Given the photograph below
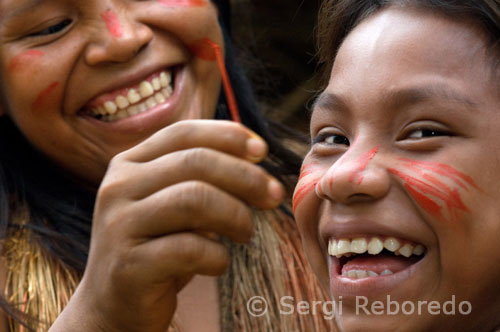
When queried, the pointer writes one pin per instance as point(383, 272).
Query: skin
point(159, 211)
point(393, 50)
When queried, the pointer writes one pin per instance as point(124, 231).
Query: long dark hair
point(60, 209)
point(337, 18)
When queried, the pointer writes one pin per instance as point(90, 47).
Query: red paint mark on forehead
point(363, 162)
point(208, 50)
point(44, 97)
point(21, 59)
point(183, 3)
point(112, 23)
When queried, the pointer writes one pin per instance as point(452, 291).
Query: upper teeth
point(148, 95)
point(347, 247)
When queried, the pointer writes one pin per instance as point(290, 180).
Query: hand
point(157, 210)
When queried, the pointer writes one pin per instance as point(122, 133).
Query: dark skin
point(170, 183)
point(418, 87)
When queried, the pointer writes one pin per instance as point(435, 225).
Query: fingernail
point(275, 190)
point(256, 149)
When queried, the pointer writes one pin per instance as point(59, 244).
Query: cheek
point(43, 91)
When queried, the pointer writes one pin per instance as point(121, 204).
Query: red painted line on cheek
point(44, 97)
point(363, 162)
point(419, 190)
point(183, 3)
point(210, 51)
point(301, 192)
point(112, 23)
point(443, 170)
point(425, 202)
point(21, 59)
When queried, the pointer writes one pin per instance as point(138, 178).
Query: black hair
point(337, 18)
point(60, 209)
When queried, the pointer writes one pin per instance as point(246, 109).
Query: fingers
point(224, 136)
point(189, 206)
point(244, 180)
point(179, 255)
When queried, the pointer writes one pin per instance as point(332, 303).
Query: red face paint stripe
point(425, 202)
point(442, 169)
point(18, 60)
point(44, 96)
point(112, 23)
point(363, 162)
point(301, 193)
point(308, 171)
point(183, 3)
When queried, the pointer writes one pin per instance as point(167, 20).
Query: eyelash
point(53, 29)
point(321, 139)
point(342, 140)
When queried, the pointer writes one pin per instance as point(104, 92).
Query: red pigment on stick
point(208, 50)
point(363, 162)
point(44, 96)
point(19, 59)
point(112, 23)
point(183, 3)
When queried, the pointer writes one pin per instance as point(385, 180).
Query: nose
point(119, 38)
point(359, 176)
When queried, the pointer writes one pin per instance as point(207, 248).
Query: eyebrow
point(29, 5)
point(400, 98)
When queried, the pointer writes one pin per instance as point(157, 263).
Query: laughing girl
point(120, 201)
point(398, 201)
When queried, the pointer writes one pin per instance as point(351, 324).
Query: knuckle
point(196, 159)
point(193, 197)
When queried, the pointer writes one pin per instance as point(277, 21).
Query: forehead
point(407, 42)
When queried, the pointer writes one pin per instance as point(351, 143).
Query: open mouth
point(123, 103)
point(372, 257)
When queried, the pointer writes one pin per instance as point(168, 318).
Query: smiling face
point(399, 193)
point(87, 79)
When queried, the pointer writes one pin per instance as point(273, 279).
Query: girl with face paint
point(398, 201)
point(122, 201)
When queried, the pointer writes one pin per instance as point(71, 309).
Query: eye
point(53, 29)
point(331, 139)
point(426, 133)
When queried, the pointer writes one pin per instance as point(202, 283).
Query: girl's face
point(87, 79)
point(398, 201)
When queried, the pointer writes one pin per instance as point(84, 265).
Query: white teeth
point(156, 84)
point(419, 250)
point(121, 115)
point(167, 91)
point(359, 274)
point(406, 250)
point(133, 110)
point(347, 248)
point(133, 96)
point(160, 98)
point(146, 89)
point(359, 246)
point(122, 102)
point(375, 246)
point(343, 247)
point(386, 272)
point(391, 244)
point(110, 107)
point(151, 102)
point(142, 107)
